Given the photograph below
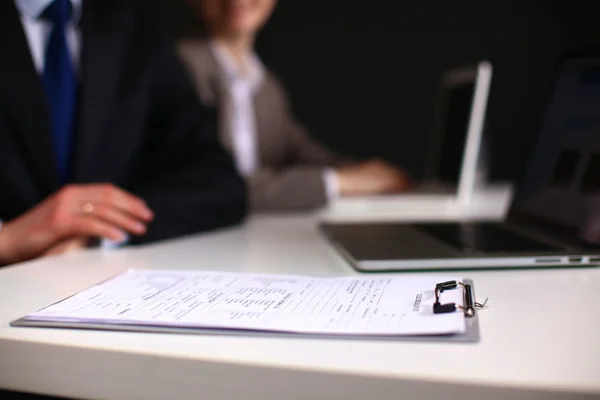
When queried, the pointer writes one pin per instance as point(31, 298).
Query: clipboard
point(471, 334)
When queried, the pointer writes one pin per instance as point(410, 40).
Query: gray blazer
point(291, 163)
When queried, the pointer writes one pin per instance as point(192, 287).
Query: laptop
point(554, 217)
point(456, 164)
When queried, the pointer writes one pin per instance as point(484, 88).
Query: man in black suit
point(101, 133)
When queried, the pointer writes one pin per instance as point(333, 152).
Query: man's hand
point(68, 246)
point(98, 210)
point(370, 178)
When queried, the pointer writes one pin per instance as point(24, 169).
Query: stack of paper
point(375, 305)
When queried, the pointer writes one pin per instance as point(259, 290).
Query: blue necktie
point(60, 84)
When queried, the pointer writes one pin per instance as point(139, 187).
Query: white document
point(352, 305)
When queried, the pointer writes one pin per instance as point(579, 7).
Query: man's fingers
point(66, 246)
point(101, 210)
point(118, 218)
point(111, 195)
point(95, 227)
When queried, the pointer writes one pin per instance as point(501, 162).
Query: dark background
point(362, 74)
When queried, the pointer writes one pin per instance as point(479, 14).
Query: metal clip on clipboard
point(469, 301)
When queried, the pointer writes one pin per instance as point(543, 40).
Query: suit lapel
point(267, 144)
point(24, 96)
point(273, 124)
point(213, 87)
point(104, 33)
point(226, 114)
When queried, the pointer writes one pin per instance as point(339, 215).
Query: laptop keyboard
point(482, 237)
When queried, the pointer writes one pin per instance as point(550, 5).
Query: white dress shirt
point(38, 32)
point(242, 84)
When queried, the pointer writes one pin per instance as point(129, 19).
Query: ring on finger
point(88, 208)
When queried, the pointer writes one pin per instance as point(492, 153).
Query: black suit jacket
point(140, 124)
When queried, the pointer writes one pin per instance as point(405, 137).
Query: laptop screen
point(561, 185)
point(457, 112)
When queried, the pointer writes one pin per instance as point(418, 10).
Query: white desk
point(540, 336)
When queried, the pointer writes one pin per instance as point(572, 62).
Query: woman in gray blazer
point(284, 167)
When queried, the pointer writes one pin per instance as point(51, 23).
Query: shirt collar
point(34, 8)
point(231, 68)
